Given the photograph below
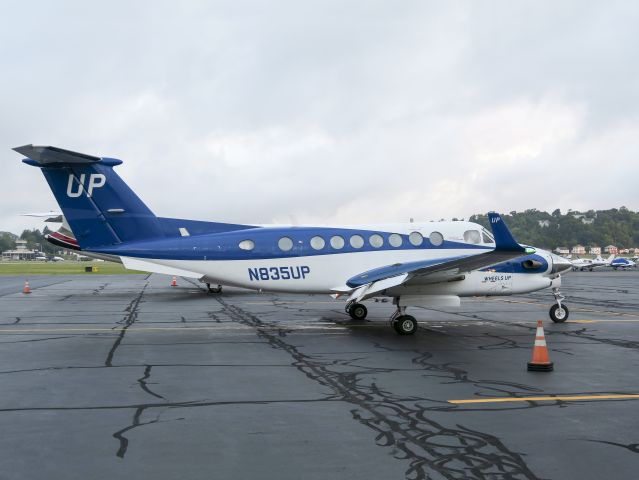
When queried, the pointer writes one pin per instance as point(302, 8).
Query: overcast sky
point(320, 112)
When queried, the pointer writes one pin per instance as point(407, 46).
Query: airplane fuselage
point(310, 259)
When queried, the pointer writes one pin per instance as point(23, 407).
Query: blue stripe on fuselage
point(224, 246)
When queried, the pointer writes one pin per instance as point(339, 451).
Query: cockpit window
point(487, 237)
point(472, 236)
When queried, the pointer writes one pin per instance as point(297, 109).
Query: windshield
point(487, 237)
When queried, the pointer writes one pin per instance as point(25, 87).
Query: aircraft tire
point(217, 289)
point(405, 325)
point(557, 315)
point(358, 311)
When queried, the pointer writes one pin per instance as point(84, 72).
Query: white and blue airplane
point(623, 263)
point(415, 264)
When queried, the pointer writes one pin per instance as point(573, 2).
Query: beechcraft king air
point(415, 264)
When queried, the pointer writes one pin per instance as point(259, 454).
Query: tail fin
point(101, 209)
point(503, 238)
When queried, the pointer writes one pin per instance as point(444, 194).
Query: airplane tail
point(100, 207)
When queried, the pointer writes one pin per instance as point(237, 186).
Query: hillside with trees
point(619, 227)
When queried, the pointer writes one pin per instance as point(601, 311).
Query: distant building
point(624, 250)
point(584, 219)
point(544, 223)
point(611, 249)
point(594, 250)
point(562, 251)
point(578, 250)
point(20, 253)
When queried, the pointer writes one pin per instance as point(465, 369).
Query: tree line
point(616, 226)
point(35, 240)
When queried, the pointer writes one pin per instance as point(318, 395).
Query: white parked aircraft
point(591, 263)
point(416, 264)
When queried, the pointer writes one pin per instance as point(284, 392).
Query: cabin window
point(376, 241)
point(472, 236)
point(415, 238)
point(317, 243)
point(285, 244)
point(247, 245)
point(436, 239)
point(337, 242)
point(357, 241)
point(395, 240)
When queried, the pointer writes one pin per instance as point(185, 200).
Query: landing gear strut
point(559, 312)
point(357, 311)
point(402, 323)
point(217, 289)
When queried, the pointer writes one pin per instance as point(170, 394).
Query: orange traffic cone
point(174, 282)
point(540, 360)
point(26, 288)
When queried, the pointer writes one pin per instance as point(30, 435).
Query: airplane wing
point(436, 270)
point(53, 217)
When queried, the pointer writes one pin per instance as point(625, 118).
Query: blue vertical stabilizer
point(100, 207)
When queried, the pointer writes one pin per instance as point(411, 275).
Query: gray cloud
point(328, 111)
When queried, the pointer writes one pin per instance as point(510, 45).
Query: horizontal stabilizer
point(45, 155)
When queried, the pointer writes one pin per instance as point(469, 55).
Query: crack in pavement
point(632, 447)
point(128, 320)
point(38, 340)
point(119, 435)
point(144, 385)
point(432, 450)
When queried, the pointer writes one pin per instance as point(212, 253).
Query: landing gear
point(217, 289)
point(357, 311)
point(403, 324)
point(559, 312)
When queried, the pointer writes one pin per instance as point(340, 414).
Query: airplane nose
point(560, 264)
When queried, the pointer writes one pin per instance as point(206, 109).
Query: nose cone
point(560, 264)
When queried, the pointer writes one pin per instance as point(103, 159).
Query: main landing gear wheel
point(217, 289)
point(405, 325)
point(357, 311)
point(559, 313)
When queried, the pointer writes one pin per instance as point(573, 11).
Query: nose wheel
point(559, 312)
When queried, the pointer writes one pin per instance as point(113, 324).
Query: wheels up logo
point(96, 180)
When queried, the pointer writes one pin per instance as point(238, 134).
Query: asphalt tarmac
point(127, 377)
